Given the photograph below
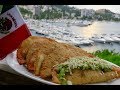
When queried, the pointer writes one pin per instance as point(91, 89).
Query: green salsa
point(82, 63)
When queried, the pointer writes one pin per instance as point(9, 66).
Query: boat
point(98, 39)
point(68, 24)
point(83, 23)
point(41, 34)
point(75, 41)
point(118, 35)
point(82, 41)
point(86, 42)
point(107, 38)
point(115, 38)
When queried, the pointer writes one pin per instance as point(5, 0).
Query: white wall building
point(35, 9)
point(44, 7)
point(117, 15)
point(87, 12)
point(72, 14)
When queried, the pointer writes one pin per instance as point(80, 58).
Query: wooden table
point(10, 77)
point(7, 78)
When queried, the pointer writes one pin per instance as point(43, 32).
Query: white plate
point(12, 62)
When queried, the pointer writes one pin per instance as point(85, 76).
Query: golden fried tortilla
point(23, 49)
point(40, 54)
point(84, 73)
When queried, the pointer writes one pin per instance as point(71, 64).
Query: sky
point(113, 8)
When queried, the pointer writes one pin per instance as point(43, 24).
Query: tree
point(36, 17)
point(89, 18)
point(24, 11)
point(84, 18)
point(1, 8)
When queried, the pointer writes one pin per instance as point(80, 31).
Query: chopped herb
point(82, 63)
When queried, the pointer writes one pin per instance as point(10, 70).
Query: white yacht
point(98, 39)
point(107, 38)
point(86, 42)
point(115, 38)
point(83, 23)
point(75, 41)
point(118, 35)
point(82, 41)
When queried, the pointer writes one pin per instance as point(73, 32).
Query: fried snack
point(23, 49)
point(40, 54)
point(84, 71)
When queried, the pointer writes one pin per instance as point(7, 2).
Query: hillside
point(66, 12)
point(55, 11)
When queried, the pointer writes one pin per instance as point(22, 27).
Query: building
point(87, 12)
point(117, 16)
point(35, 9)
point(72, 14)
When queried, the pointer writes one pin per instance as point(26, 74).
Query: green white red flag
point(13, 30)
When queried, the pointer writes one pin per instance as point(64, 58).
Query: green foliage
point(111, 56)
point(1, 8)
point(50, 14)
point(59, 11)
point(108, 16)
point(116, 19)
point(36, 17)
point(84, 18)
point(24, 11)
point(54, 13)
point(87, 18)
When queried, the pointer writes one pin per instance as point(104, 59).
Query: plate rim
point(35, 77)
point(26, 75)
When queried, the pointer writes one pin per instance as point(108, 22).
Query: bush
point(111, 56)
point(1, 8)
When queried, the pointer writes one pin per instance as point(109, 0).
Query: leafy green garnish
point(108, 55)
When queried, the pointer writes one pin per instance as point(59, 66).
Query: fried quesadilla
point(39, 54)
point(84, 70)
point(42, 56)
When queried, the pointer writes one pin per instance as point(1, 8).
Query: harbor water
point(100, 28)
point(97, 28)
